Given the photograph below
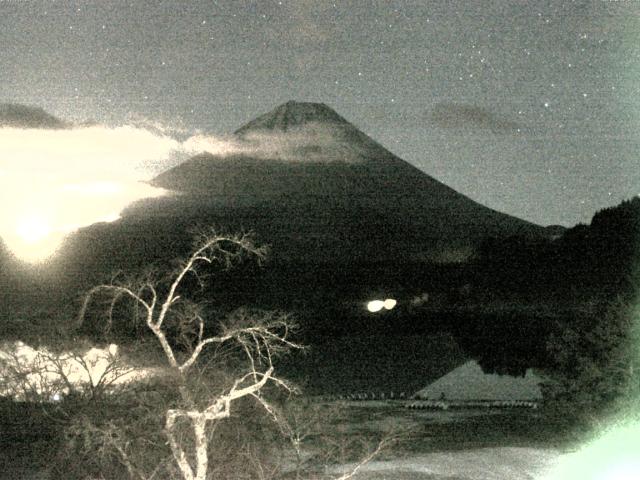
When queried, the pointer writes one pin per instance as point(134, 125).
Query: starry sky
point(531, 108)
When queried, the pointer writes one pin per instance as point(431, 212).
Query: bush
point(211, 406)
point(595, 363)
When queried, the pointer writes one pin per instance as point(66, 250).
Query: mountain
point(347, 221)
point(21, 116)
point(338, 210)
point(469, 382)
point(316, 184)
point(294, 114)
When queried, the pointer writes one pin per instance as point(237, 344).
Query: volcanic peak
point(292, 115)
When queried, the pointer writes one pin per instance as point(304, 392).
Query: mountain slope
point(327, 199)
point(21, 116)
point(308, 170)
point(293, 114)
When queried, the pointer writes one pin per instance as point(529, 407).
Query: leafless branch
point(259, 335)
point(384, 443)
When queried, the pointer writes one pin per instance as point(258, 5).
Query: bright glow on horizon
point(34, 239)
point(33, 228)
point(96, 152)
point(94, 188)
point(53, 182)
point(35, 223)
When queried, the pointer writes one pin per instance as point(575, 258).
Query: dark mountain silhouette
point(601, 259)
point(22, 116)
point(346, 219)
point(339, 211)
point(317, 185)
point(555, 231)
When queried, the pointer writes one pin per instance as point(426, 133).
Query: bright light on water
point(390, 303)
point(377, 305)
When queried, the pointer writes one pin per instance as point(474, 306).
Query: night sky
point(531, 108)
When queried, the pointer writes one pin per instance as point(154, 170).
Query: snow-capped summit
point(291, 115)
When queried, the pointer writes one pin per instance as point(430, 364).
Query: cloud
point(312, 142)
point(87, 151)
point(464, 116)
point(54, 181)
point(303, 26)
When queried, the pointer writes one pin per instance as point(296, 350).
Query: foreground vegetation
point(216, 406)
point(210, 406)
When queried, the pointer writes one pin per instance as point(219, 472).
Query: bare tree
point(181, 328)
point(42, 375)
point(259, 337)
point(311, 423)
